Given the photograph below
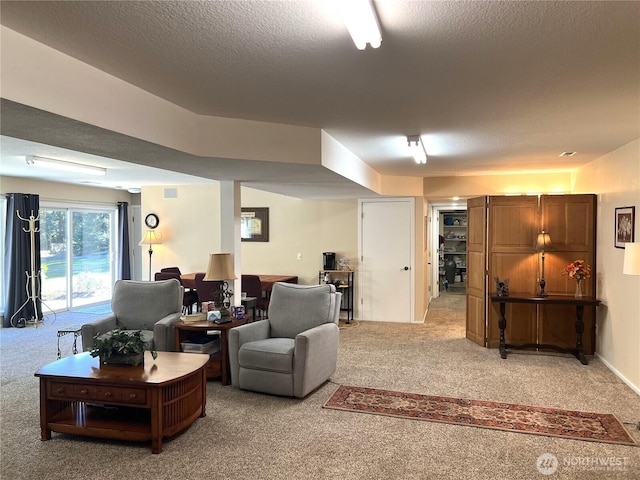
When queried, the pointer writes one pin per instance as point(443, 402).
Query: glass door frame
point(70, 209)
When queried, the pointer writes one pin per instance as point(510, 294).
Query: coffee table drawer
point(135, 396)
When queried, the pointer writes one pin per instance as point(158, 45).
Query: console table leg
point(502, 323)
point(579, 329)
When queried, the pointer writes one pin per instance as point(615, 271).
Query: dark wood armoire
point(500, 243)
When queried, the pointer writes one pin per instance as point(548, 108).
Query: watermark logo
point(547, 464)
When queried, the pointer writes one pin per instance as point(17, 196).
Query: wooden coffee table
point(158, 399)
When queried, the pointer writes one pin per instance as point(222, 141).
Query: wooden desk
point(154, 400)
point(579, 303)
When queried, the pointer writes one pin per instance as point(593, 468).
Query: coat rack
point(33, 278)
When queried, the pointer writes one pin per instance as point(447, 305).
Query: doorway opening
point(452, 255)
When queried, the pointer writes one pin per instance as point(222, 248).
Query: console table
point(579, 303)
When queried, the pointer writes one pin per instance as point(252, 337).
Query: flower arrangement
point(578, 270)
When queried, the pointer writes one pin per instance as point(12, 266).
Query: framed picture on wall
point(254, 224)
point(625, 223)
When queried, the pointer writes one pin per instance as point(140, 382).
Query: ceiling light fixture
point(361, 21)
point(66, 166)
point(417, 149)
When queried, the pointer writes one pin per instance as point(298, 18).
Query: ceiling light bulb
point(361, 22)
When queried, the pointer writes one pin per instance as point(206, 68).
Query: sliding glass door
point(78, 256)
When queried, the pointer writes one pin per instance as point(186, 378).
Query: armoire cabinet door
point(476, 267)
point(570, 221)
point(513, 225)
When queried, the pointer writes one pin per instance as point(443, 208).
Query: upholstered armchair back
point(296, 308)
point(139, 305)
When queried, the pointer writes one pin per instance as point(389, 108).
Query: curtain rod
point(81, 202)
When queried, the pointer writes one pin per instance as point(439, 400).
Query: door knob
point(406, 268)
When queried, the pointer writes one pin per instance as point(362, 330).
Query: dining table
point(266, 281)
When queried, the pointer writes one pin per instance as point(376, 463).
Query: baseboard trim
point(619, 375)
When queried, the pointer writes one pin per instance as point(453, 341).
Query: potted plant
point(121, 347)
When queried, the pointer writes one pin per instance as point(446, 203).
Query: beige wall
point(615, 177)
point(436, 188)
point(190, 225)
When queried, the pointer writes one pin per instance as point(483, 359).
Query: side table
point(76, 330)
point(218, 364)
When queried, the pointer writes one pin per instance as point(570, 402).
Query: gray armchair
point(295, 350)
point(147, 306)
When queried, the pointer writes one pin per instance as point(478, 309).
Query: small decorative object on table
point(121, 347)
point(502, 287)
point(578, 270)
point(344, 264)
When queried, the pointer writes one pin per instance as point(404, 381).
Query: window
point(77, 248)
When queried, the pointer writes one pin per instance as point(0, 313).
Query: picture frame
point(625, 226)
point(254, 226)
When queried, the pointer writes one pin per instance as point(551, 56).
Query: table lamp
point(631, 264)
point(220, 269)
point(151, 238)
point(543, 240)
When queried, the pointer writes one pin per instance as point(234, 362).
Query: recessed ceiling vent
point(567, 154)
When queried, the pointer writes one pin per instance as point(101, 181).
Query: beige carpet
point(247, 435)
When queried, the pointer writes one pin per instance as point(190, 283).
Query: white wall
point(615, 178)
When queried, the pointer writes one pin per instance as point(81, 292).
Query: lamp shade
point(151, 237)
point(219, 268)
point(543, 240)
point(631, 259)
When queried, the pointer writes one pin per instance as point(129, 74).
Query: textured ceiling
point(491, 86)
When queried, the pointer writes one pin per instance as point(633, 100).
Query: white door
point(386, 260)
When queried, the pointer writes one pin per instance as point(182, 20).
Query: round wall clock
point(151, 220)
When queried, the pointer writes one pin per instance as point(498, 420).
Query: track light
point(66, 166)
point(417, 149)
point(361, 22)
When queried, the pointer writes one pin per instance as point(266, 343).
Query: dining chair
point(253, 287)
point(190, 296)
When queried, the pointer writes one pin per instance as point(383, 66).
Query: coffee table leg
point(45, 433)
point(156, 421)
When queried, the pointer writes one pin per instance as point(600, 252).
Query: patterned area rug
point(596, 427)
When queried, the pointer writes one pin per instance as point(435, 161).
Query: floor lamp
point(543, 240)
point(151, 237)
point(220, 269)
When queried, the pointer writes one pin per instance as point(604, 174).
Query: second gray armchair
point(295, 350)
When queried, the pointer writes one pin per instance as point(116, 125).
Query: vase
point(578, 288)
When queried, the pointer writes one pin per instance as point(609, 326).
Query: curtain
point(21, 277)
point(124, 249)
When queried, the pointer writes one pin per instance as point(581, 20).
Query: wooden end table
point(218, 362)
point(164, 396)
